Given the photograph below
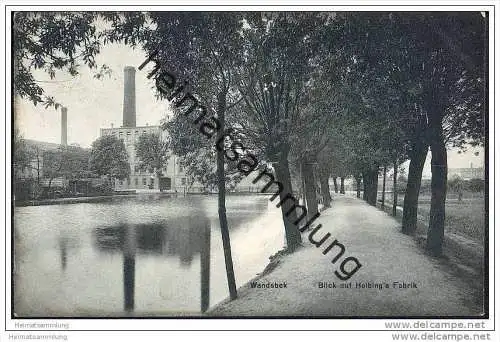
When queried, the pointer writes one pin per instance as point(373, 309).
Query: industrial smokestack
point(129, 97)
point(64, 126)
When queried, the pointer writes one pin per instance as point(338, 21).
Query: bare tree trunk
point(439, 168)
point(342, 189)
point(358, 186)
point(302, 184)
point(158, 176)
point(335, 185)
point(310, 183)
point(292, 233)
point(50, 184)
point(383, 186)
point(38, 169)
point(395, 188)
point(111, 182)
point(221, 184)
point(374, 190)
point(370, 181)
point(325, 189)
point(365, 186)
point(410, 205)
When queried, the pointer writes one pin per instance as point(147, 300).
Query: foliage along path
point(386, 256)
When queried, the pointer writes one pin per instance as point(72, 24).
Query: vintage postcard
point(250, 163)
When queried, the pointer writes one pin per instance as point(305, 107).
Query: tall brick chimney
point(129, 97)
point(64, 126)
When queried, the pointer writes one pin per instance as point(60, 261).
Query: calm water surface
point(145, 255)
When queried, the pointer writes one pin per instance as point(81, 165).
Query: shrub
point(476, 185)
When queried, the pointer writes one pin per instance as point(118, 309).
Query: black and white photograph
point(212, 164)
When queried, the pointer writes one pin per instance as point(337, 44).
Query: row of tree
point(313, 93)
point(344, 94)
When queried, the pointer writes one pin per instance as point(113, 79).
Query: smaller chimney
point(64, 126)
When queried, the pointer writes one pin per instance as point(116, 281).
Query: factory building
point(173, 178)
point(466, 173)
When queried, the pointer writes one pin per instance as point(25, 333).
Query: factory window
point(121, 182)
point(144, 181)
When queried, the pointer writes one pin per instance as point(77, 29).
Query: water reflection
point(67, 245)
point(142, 256)
point(63, 246)
point(181, 238)
point(148, 238)
point(185, 237)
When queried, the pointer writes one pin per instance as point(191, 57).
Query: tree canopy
point(348, 92)
point(109, 157)
point(152, 152)
point(52, 41)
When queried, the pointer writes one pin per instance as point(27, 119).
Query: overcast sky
point(94, 104)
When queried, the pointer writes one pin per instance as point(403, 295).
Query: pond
point(142, 256)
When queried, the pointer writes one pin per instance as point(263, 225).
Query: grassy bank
point(466, 217)
point(464, 237)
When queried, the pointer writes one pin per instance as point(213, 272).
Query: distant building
point(173, 177)
point(34, 168)
point(466, 173)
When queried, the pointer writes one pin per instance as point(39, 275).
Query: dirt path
point(386, 255)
